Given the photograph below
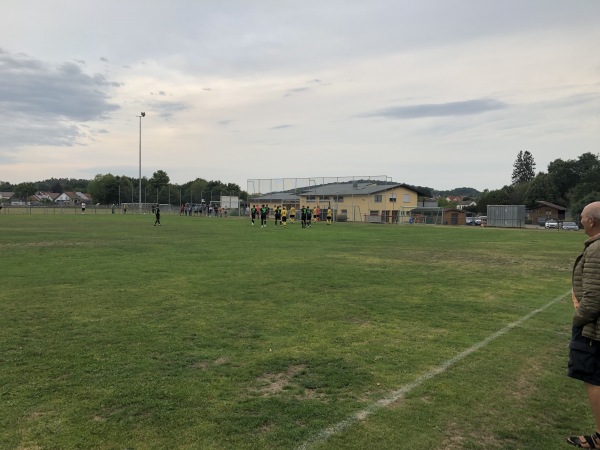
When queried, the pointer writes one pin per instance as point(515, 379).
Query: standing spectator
point(113, 208)
point(584, 354)
point(83, 208)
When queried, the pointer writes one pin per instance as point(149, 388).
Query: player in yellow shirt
point(284, 213)
point(292, 214)
point(329, 216)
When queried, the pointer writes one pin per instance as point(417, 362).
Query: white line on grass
point(400, 393)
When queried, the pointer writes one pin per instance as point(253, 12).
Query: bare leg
point(594, 397)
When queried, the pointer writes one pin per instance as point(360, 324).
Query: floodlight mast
point(143, 114)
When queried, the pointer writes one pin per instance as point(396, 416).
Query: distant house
point(43, 197)
point(6, 196)
point(546, 210)
point(455, 198)
point(73, 198)
point(466, 204)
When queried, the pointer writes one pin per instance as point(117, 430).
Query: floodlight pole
point(143, 114)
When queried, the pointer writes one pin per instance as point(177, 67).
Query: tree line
point(571, 183)
point(107, 189)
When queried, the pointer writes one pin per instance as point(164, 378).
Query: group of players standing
point(281, 215)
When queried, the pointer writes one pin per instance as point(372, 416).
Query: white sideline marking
point(400, 393)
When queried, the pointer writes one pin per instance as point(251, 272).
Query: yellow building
point(363, 201)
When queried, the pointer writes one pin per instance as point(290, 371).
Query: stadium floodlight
point(143, 114)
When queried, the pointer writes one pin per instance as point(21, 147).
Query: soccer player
point(157, 213)
point(292, 214)
point(317, 213)
point(277, 215)
point(284, 214)
point(253, 212)
point(329, 216)
point(263, 216)
point(308, 216)
point(303, 216)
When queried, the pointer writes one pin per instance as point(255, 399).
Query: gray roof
point(552, 205)
point(276, 196)
point(333, 189)
point(360, 188)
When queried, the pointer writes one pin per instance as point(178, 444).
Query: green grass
point(210, 333)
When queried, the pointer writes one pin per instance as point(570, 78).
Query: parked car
point(469, 221)
point(570, 226)
point(551, 224)
point(481, 221)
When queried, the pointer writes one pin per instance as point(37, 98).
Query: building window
point(406, 198)
point(344, 211)
point(378, 198)
point(310, 198)
point(393, 198)
point(339, 199)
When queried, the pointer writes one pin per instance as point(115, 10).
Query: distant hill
point(462, 191)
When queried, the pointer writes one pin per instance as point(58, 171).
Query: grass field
point(212, 334)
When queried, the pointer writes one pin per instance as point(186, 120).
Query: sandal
point(585, 441)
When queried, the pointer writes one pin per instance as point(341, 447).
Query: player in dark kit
point(277, 215)
point(303, 216)
point(263, 216)
point(157, 213)
point(253, 212)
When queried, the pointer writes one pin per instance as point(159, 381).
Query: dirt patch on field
point(274, 383)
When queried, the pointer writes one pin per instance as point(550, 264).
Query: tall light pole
point(143, 114)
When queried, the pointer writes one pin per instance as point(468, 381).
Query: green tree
point(5, 186)
point(578, 206)
point(104, 189)
point(589, 182)
point(444, 203)
point(159, 180)
point(523, 168)
point(542, 188)
point(497, 197)
point(24, 190)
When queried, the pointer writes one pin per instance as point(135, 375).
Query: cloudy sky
point(438, 93)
